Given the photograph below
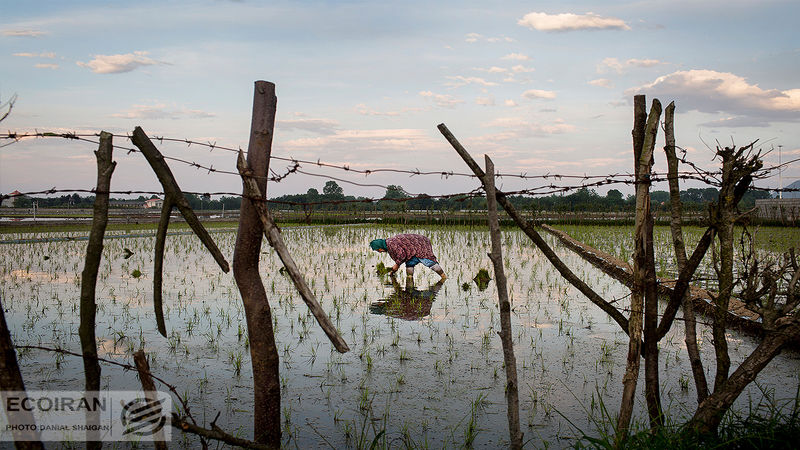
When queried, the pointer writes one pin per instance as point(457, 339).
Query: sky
point(544, 88)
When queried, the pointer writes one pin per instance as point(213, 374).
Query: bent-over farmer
point(409, 249)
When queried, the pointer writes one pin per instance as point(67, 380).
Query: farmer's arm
point(395, 267)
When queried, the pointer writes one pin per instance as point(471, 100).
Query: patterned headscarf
point(378, 244)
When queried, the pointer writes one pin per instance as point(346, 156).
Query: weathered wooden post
point(88, 304)
point(506, 336)
point(263, 353)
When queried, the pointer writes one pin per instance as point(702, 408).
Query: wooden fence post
point(506, 336)
point(88, 303)
point(263, 353)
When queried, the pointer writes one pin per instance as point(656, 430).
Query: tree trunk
point(264, 354)
point(88, 303)
point(629, 380)
point(676, 228)
point(710, 412)
point(506, 336)
point(652, 388)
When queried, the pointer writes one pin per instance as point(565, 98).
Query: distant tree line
point(396, 199)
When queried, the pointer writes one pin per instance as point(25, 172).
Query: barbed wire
point(697, 174)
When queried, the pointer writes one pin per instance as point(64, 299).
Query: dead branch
point(173, 196)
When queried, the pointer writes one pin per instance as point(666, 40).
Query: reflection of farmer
point(410, 249)
point(409, 303)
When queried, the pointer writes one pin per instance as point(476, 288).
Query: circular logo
point(143, 417)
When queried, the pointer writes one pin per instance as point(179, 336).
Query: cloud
point(49, 55)
point(460, 80)
point(24, 33)
point(538, 93)
point(162, 111)
point(493, 69)
point(510, 103)
point(485, 101)
point(521, 127)
point(349, 144)
point(602, 82)
point(522, 69)
point(476, 37)
point(119, 63)
point(570, 22)
point(46, 66)
point(615, 65)
point(643, 62)
point(517, 57)
point(441, 100)
point(319, 126)
point(709, 91)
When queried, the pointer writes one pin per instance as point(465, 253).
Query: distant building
point(9, 202)
point(783, 209)
point(154, 202)
point(126, 204)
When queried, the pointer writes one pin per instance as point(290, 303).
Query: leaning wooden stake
point(173, 197)
point(273, 235)
point(506, 336)
point(88, 304)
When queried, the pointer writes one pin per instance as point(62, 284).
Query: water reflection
point(408, 303)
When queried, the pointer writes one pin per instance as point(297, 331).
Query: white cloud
point(485, 101)
point(441, 100)
point(643, 62)
point(319, 126)
point(24, 33)
point(515, 128)
point(516, 57)
point(602, 82)
point(476, 37)
point(119, 63)
point(510, 103)
point(493, 69)
point(539, 93)
point(570, 22)
point(460, 80)
point(473, 37)
point(49, 55)
point(615, 65)
point(349, 144)
point(162, 111)
point(522, 69)
point(714, 92)
point(46, 66)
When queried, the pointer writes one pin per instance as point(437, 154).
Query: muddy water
point(426, 360)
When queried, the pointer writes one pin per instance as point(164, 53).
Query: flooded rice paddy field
point(426, 363)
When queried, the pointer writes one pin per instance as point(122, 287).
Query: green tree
point(333, 190)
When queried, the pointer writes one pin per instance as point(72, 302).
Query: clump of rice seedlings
point(381, 269)
point(482, 279)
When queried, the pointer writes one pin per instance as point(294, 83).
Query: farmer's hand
point(395, 268)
